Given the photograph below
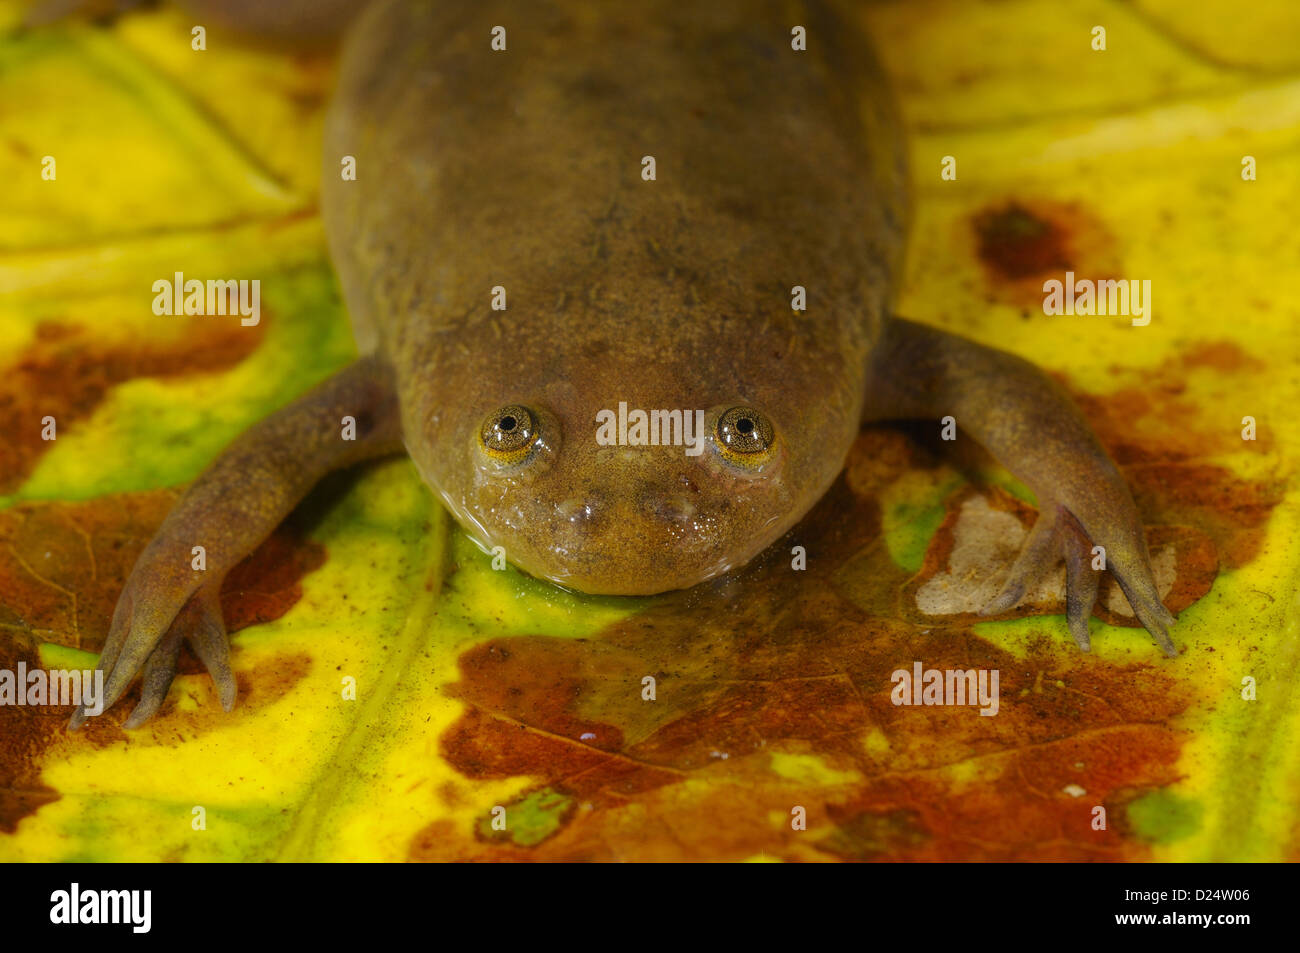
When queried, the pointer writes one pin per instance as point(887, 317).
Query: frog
point(558, 208)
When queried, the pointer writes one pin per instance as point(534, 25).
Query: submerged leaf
point(401, 699)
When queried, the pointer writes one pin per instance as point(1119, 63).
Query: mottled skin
point(523, 169)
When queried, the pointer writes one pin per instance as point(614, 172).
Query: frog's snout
point(596, 510)
point(579, 512)
point(674, 510)
point(636, 539)
point(629, 521)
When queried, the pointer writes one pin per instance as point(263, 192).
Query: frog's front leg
point(229, 510)
point(1033, 428)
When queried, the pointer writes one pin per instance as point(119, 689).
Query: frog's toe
point(1133, 573)
point(199, 623)
point(1040, 553)
point(1059, 533)
point(1081, 585)
point(149, 624)
point(207, 637)
point(159, 670)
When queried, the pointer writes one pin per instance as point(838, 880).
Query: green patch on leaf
point(530, 820)
point(1162, 817)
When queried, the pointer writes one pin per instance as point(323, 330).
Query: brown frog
point(643, 185)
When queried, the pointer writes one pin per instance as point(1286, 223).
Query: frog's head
point(611, 474)
point(604, 515)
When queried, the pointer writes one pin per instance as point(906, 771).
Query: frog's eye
point(744, 437)
point(510, 435)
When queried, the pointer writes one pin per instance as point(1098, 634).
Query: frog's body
point(523, 170)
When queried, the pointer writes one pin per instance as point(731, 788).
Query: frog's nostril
point(578, 512)
point(665, 503)
point(672, 509)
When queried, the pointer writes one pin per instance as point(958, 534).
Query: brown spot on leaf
point(1019, 244)
point(62, 565)
point(24, 735)
point(268, 582)
point(65, 373)
point(1022, 242)
point(1219, 356)
point(869, 835)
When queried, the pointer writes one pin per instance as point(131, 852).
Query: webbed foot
point(1058, 534)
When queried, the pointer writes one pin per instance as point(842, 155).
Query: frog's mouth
point(624, 551)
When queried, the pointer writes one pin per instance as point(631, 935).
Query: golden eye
point(509, 435)
point(744, 436)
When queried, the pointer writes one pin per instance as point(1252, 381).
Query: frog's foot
point(133, 647)
point(199, 623)
point(1057, 534)
point(225, 514)
point(1025, 419)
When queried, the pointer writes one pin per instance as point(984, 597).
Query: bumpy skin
point(523, 169)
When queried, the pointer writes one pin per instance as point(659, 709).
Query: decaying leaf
point(400, 699)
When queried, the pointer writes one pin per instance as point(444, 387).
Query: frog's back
point(524, 168)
